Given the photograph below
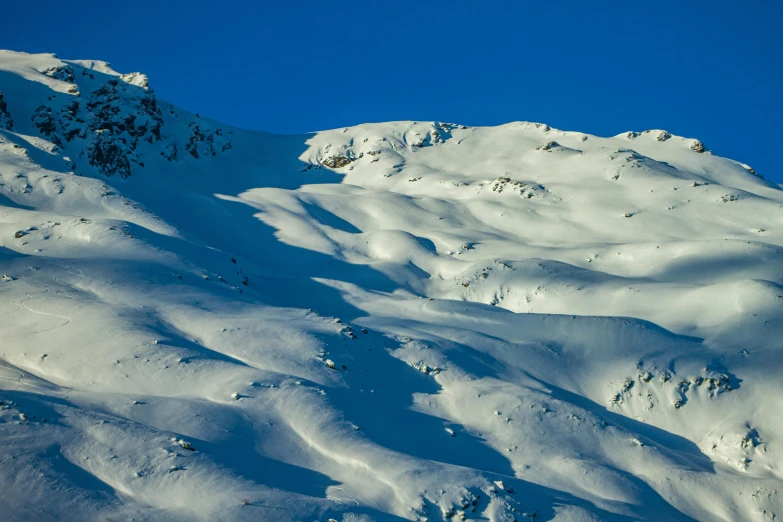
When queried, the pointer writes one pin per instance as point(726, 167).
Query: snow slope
point(394, 321)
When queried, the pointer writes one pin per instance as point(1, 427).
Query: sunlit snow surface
point(394, 321)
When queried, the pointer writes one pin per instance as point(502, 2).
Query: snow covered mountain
point(394, 321)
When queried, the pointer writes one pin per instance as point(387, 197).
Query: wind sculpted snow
point(393, 321)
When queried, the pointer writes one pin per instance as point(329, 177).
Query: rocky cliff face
point(112, 124)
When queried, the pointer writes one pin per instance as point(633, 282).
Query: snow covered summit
point(393, 321)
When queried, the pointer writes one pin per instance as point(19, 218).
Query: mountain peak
point(105, 122)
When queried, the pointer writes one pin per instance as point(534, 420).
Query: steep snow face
point(395, 321)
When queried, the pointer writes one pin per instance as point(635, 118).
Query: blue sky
point(708, 70)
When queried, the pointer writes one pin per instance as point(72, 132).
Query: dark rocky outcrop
point(337, 161)
point(111, 128)
point(6, 122)
point(202, 141)
point(139, 116)
point(549, 146)
point(43, 120)
point(63, 73)
point(106, 154)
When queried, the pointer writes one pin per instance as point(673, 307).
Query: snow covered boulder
point(136, 78)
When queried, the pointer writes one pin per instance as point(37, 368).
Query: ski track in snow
point(67, 319)
point(24, 306)
point(393, 321)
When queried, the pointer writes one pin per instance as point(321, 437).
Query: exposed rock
point(72, 126)
point(170, 151)
point(43, 120)
point(139, 117)
point(434, 136)
point(136, 78)
point(549, 146)
point(424, 368)
point(709, 384)
point(186, 445)
point(750, 440)
point(504, 181)
point(744, 166)
point(64, 73)
point(6, 122)
point(114, 121)
point(202, 141)
point(336, 162)
point(663, 136)
point(697, 146)
point(107, 155)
